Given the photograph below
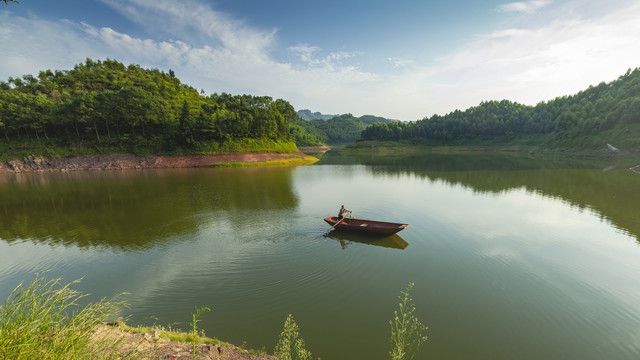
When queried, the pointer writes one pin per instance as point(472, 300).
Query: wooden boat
point(366, 226)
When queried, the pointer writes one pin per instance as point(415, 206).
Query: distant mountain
point(338, 129)
point(308, 115)
point(315, 128)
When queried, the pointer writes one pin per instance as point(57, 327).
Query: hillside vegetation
point(105, 106)
point(339, 129)
point(606, 113)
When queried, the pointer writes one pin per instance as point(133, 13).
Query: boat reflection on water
point(346, 238)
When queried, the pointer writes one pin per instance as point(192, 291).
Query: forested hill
point(335, 130)
point(306, 114)
point(107, 105)
point(606, 113)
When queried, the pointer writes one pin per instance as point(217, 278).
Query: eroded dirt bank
point(33, 163)
point(151, 345)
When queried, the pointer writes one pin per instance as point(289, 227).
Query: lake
point(512, 258)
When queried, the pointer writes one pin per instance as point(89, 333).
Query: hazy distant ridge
point(317, 128)
point(308, 115)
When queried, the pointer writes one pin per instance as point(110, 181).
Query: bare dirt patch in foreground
point(151, 345)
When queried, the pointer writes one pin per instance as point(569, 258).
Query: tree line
point(108, 103)
point(339, 129)
point(608, 112)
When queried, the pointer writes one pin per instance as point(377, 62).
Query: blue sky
point(402, 59)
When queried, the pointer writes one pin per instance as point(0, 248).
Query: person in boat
point(342, 212)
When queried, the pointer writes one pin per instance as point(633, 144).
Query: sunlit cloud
point(304, 52)
point(524, 7)
point(534, 64)
point(34, 44)
point(308, 55)
point(211, 50)
point(228, 65)
point(236, 57)
point(192, 21)
point(400, 62)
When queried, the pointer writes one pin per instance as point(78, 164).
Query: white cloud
point(529, 65)
point(524, 7)
point(237, 61)
point(307, 55)
point(212, 51)
point(400, 62)
point(304, 52)
point(226, 67)
point(34, 44)
point(190, 19)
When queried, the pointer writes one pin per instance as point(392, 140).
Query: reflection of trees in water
point(614, 194)
point(132, 209)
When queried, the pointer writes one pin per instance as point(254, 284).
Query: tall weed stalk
point(407, 333)
point(194, 325)
point(290, 345)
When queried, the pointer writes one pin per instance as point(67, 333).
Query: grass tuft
point(43, 320)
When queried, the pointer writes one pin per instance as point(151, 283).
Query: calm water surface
point(511, 258)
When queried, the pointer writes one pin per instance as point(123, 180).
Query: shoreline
point(34, 163)
point(158, 343)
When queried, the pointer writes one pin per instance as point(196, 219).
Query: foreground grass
point(43, 320)
point(172, 334)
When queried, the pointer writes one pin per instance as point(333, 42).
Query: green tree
point(186, 126)
point(82, 112)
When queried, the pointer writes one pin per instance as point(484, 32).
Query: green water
point(512, 258)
